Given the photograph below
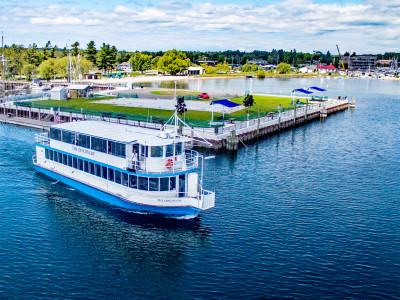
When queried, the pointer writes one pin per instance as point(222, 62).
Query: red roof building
point(330, 68)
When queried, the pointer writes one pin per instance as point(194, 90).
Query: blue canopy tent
point(303, 91)
point(318, 89)
point(224, 103)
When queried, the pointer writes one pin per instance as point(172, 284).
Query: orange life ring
point(169, 163)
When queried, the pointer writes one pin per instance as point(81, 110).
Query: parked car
point(204, 96)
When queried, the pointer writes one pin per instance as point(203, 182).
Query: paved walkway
point(169, 104)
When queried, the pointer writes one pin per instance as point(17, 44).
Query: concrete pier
point(227, 136)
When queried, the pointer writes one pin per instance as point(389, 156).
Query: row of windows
point(133, 181)
point(89, 142)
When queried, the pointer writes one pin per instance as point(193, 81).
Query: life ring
point(169, 163)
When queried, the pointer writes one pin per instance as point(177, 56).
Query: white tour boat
point(97, 158)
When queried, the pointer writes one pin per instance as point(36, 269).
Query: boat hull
point(115, 201)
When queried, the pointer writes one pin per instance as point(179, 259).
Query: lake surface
point(310, 213)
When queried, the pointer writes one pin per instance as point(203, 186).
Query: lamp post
point(175, 90)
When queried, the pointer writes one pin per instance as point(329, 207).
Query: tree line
point(52, 62)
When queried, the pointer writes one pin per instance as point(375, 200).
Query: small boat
point(130, 167)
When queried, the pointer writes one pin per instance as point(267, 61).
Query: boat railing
point(174, 164)
point(208, 199)
point(42, 138)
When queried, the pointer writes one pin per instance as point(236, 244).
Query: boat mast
point(3, 61)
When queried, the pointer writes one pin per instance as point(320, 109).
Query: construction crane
point(340, 57)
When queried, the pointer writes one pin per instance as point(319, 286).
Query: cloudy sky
point(361, 26)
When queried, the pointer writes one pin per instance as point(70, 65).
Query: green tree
point(46, 49)
point(261, 74)
point(91, 52)
point(180, 105)
point(104, 57)
point(75, 49)
point(248, 101)
point(64, 52)
point(283, 68)
point(29, 70)
point(47, 68)
point(33, 55)
point(140, 62)
point(113, 56)
point(173, 62)
point(53, 51)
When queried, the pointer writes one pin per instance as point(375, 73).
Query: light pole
point(175, 90)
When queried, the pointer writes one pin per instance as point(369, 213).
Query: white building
point(194, 71)
point(125, 66)
point(58, 93)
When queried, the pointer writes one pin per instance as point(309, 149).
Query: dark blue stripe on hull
point(105, 197)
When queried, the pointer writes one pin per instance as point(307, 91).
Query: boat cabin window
point(153, 184)
point(99, 145)
point(68, 137)
point(124, 179)
point(133, 181)
point(172, 183)
point(83, 140)
point(178, 148)
point(170, 150)
point(164, 184)
point(156, 151)
point(116, 149)
point(143, 183)
point(143, 151)
point(55, 134)
point(118, 176)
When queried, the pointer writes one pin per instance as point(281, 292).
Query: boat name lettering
point(169, 200)
point(82, 150)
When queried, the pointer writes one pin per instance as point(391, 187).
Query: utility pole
point(3, 64)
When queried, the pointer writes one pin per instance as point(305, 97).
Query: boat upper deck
point(121, 133)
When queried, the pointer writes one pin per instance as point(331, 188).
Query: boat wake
point(55, 182)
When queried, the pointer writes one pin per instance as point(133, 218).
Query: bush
point(261, 74)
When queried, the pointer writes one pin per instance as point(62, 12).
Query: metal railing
point(190, 162)
point(42, 138)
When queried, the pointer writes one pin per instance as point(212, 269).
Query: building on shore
point(79, 90)
point(360, 62)
point(327, 69)
point(194, 71)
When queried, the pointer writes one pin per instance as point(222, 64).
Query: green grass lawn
point(265, 103)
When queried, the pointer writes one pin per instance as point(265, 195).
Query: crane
point(340, 57)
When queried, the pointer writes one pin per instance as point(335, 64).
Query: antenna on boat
point(174, 121)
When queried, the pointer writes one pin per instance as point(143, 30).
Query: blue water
point(310, 213)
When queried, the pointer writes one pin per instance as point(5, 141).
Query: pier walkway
point(227, 136)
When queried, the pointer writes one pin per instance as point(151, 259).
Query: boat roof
point(120, 132)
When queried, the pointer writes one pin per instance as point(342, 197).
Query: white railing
point(208, 199)
point(42, 138)
point(190, 162)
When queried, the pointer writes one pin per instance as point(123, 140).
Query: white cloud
point(286, 22)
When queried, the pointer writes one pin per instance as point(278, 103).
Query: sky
point(361, 26)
